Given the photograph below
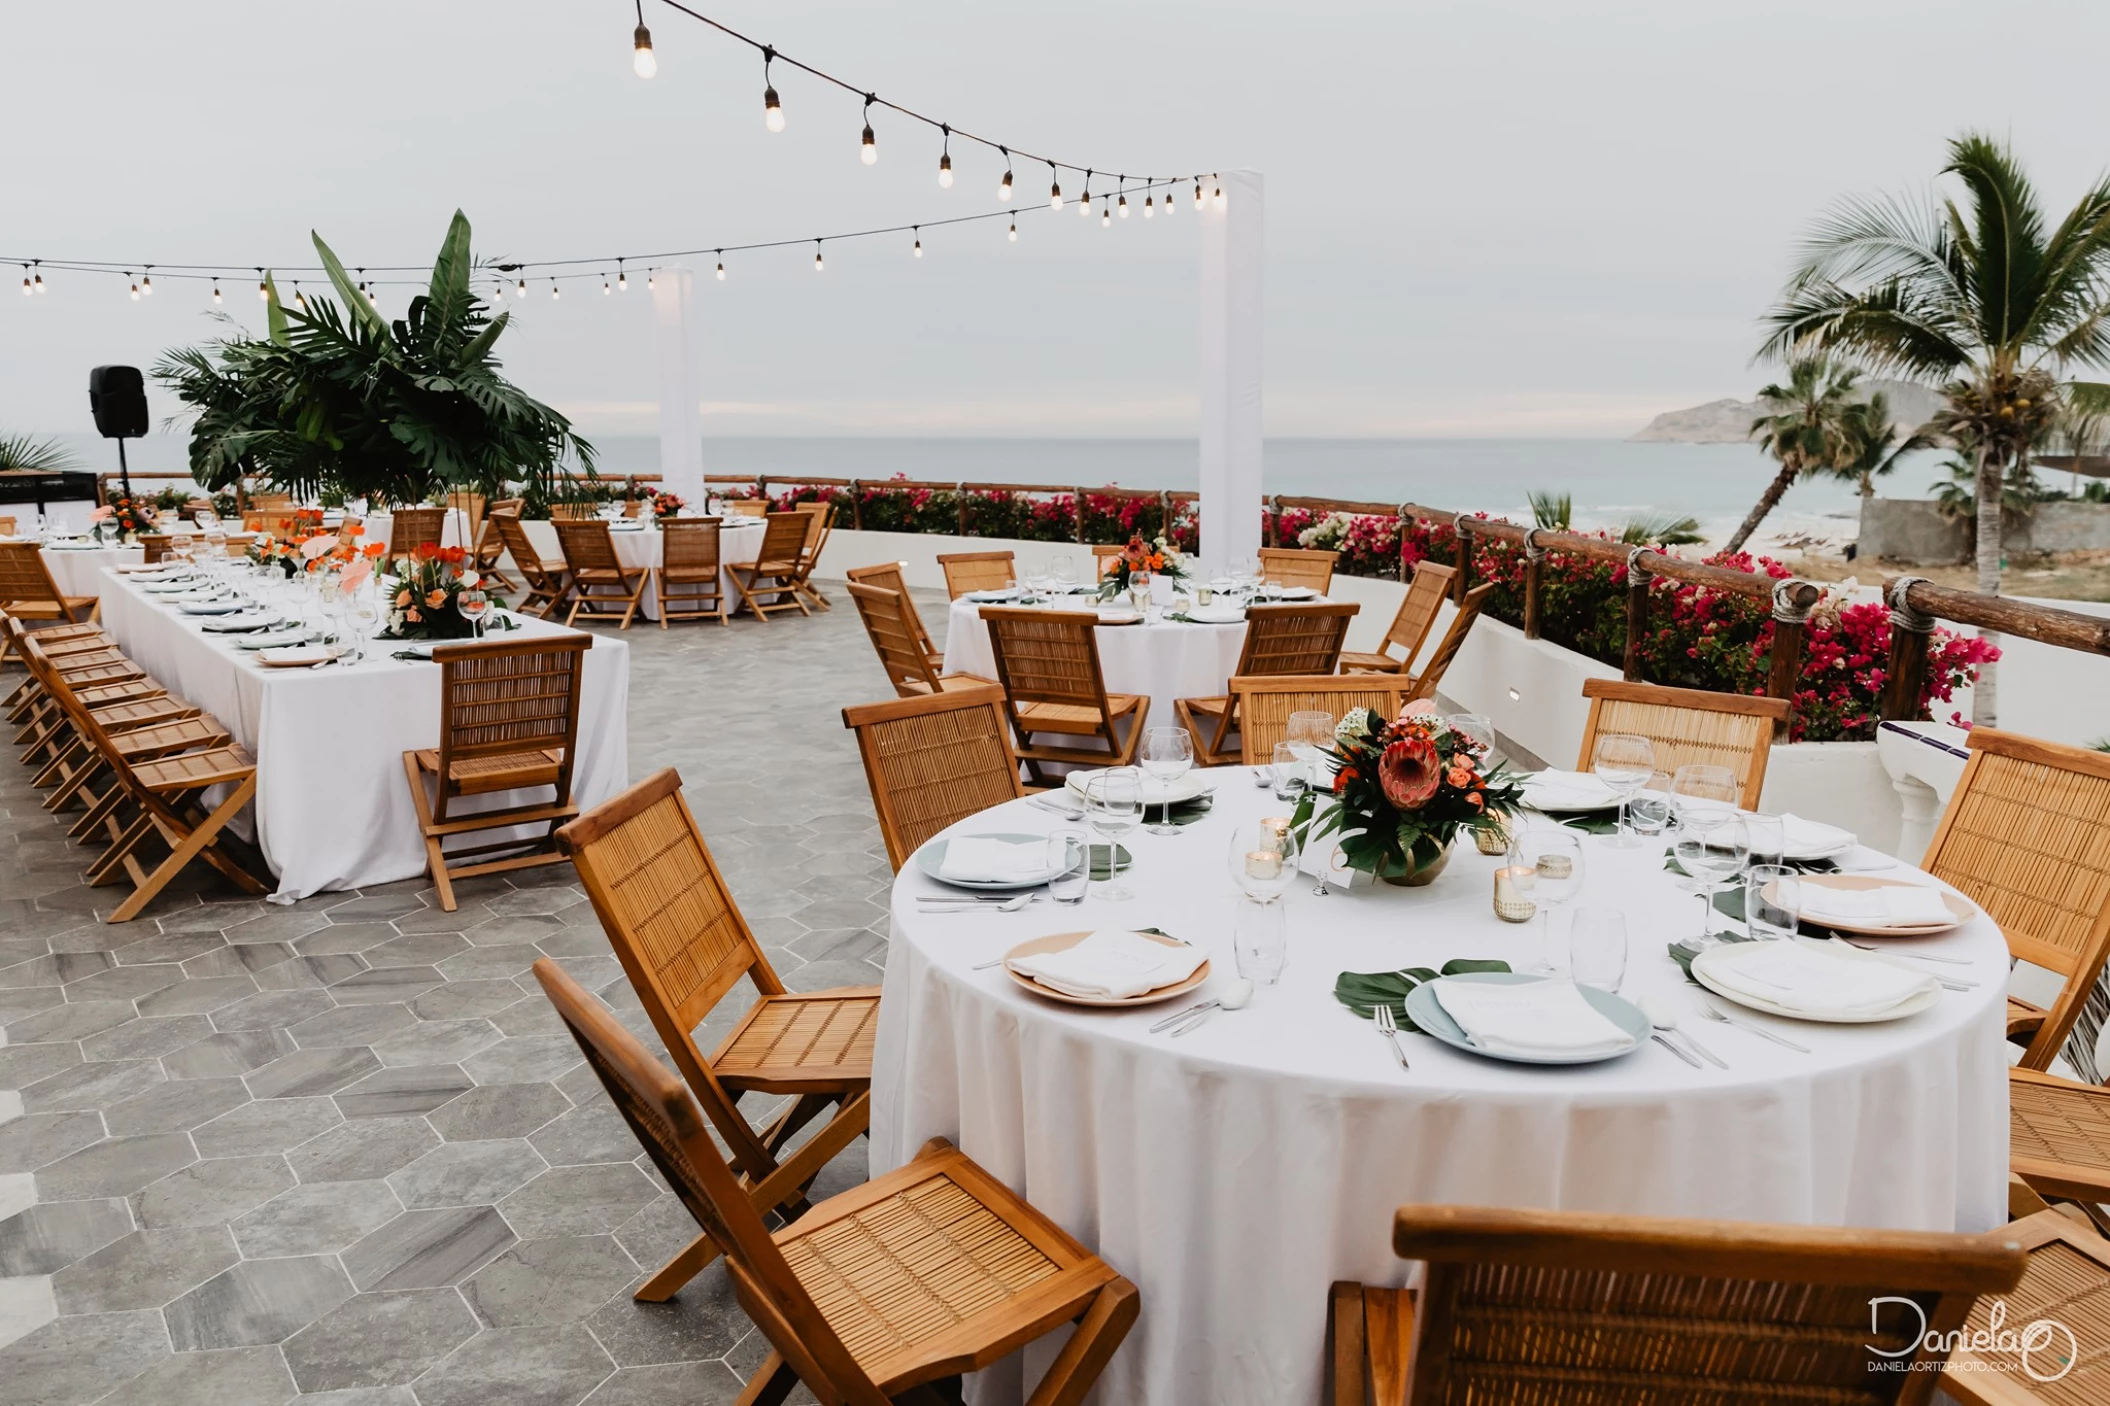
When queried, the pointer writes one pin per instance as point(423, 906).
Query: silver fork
point(1915, 956)
point(1389, 1028)
point(1707, 1010)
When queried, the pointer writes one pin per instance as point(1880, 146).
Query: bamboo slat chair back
point(1424, 683)
point(933, 761)
point(691, 581)
point(820, 525)
point(887, 577)
point(2068, 1282)
point(602, 587)
point(888, 619)
point(490, 542)
point(501, 700)
point(1687, 727)
point(771, 581)
point(1294, 639)
point(412, 528)
point(1047, 656)
point(573, 512)
point(1595, 1308)
point(547, 581)
point(587, 545)
point(27, 590)
point(918, 1275)
point(2026, 837)
point(1418, 610)
point(783, 538)
point(977, 571)
point(746, 507)
point(1296, 566)
point(1265, 702)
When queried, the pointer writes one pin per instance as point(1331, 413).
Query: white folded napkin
point(1910, 906)
point(1803, 978)
point(1811, 839)
point(1567, 790)
point(972, 859)
point(1535, 1018)
point(1111, 965)
point(984, 597)
point(1216, 614)
point(1117, 612)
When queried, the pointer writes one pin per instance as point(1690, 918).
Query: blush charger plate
point(1063, 941)
point(1957, 904)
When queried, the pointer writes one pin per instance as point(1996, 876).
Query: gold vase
point(1419, 871)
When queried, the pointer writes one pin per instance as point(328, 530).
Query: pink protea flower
point(1419, 708)
point(1410, 771)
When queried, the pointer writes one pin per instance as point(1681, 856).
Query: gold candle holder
point(1510, 904)
point(1263, 864)
point(1494, 839)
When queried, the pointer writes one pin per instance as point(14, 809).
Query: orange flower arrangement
point(422, 600)
point(1402, 790)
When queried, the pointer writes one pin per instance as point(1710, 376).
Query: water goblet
point(1648, 810)
point(1290, 782)
point(1260, 940)
point(1168, 753)
point(1772, 901)
point(1070, 855)
point(1310, 736)
point(1624, 761)
point(474, 603)
point(1113, 805)
point(1711, 847)
point(1552, 858)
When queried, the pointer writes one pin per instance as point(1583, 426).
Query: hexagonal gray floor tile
point(211, 1192)
point(466, 1174)
point(426, 1249)
point(256, 1302)
point(499, 1111)
point(44, 1239)
point(520, 1366)
point(144, 1269)
point(248, 1376)
point(378, 1340)
point(363, 1151)
point(578, 1200)
point(272, 1125)
point(550, 1281)
point(75, 1360)
point(114, 1167)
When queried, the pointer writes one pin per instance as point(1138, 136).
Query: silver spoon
point(1708, 1010)
point(1235, 998)
point(1664, 1018)
point(962, 905)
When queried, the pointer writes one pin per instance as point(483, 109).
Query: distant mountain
point(1729, 421)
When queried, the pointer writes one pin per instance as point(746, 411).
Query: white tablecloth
point(737, 543)
point(1165, 661)
point(79, 570)
point(1236, 1172)
point(332, 809)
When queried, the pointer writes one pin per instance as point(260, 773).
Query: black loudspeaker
point(118, 397)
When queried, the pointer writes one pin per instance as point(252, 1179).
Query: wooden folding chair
point(889, 1291)
point(574, 512)
point(490, 548)
point(27, 591)
point(548, 581)
point(890, 620)
point(684, 945)
point(1426, 593)
point(689, 577)
point(887, 577)
point(1279, 639)
point(153, 547)
point(602, 588)
point(412, 528)
point(1048, 664)
point(1687, 727)
point(819, 527)
point(1294, 566)
point(1566, 1306)
point(1264, 704)
point(746, 507)
point(775, 569)
point(509, 721)
point(977, 571)
point(2026, 837)
point(932, 761)
point(1423, 684)
point(1104, 555)
point(2067, 1282)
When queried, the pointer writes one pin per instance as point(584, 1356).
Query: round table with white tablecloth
point(641, 545)
point(1235, 1173)
point(1164, 660)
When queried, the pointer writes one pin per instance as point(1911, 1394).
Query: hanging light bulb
point(1124, 202)
point(520, 288)
point(135, 287)
point(772, 110)
point(721, 266)
point(1003, 191)
point(641, 59)
point(919, 241)
point(1148, 208)
point(40, 277)
point(649, 285)
point(146, 285)
point(1014, 229)
point(372, 299)
point(1219, 194)
point(1084, 201)
point(1106, 215)
point(622, 280)
point(215, 292)
point(554, 294)
point(606, 287)
point(298, 296)
point(1054, 187)
point(945, 159)
point(263, 290)
point(868, 149)
point(27, 290)
point(817, 264)
point(1197, 192)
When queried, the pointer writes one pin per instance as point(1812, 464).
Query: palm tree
point(2083, 430)
point(20, 452)
point(1553, 511)
point(1871, 447)
point(1806, 431)
point(1660, 530)
point(1983, 298)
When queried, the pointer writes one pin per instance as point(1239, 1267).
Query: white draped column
point(680, 421)
point(1230, 368)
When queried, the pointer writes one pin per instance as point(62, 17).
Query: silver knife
point(1658, 1038)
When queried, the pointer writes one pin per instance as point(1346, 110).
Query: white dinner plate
point(1565, 806)
point(238, 624)
point(1292, 592)
point(1062, 940)
point(1427, 1012)
point(1703, 964)
point(1154, 792)
point(931, 858)
point(992, 597)
point(297, 656)
point(212, 607)
point(271, 639)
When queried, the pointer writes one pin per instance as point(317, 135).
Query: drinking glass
point(1648, 810)
point(1772, 901)
point(1624, 761)
point(1070, 855)
point(1597, 948)
point(1553, 856)
point(364, 613)
point(1139, 589)
point(1703, 795)
point(474, 603)
point(1263, 858)
point(1260, 940)
point(1310, 736)
point(1065, 574)
point(1289, 773)
point(1168, 752)
point(1113, 803)
point(1711, 848)
point(1767, 838)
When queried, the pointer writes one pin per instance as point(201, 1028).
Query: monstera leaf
point(1364, 992)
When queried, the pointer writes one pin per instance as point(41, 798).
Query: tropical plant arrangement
point(1402, 791)
point(424, 591)
point(666, 505)
point(128, 514)
point(337, 400)
point(269, 551)
point(20, 453)
point(1159, 558)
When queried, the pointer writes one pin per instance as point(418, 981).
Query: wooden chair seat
point(1355, 662)
point(63, 608)
point(2059, 1135)
point(947, 683)
point(2023, 1018)
point(2066, 1280)
point(814, 1042)
point(163, 738)
point(216, 766)
point(1418, 609)
point(1074, 718)
point(505, 772)
point(688, 575)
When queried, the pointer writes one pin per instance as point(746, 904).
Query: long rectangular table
point(332, 809)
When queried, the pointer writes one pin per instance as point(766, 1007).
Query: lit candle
point(1263, 864)
point(1510, 904)
point(1556, 866)
point(1202, 595)
point(1274, 833)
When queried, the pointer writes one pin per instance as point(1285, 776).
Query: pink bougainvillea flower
point(1410, 771)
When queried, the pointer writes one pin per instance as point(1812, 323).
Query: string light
point(263, 292)
point(1014, 229)
point(26, 289)
point(817, 264)
point(1219, 193)
point(1197, 192)
point(606, 287)
point(298, 296)
point(1124, 197)
point(1106, 215)
point(216, 292)
point(1084, 201)
point(622, 280)
point(135, 287)
point(945, 161)
point(1003, 192)
point(1148, 208)
point(1165, 202)
point(641, 58)
point(554, 292)
point(1054, 187)
point(649, 284)
point(721, 266)
point(146, 285)
point(519, 290)
point(772, 110)
point(868, 150)
point(40, 275)
point(919, 241)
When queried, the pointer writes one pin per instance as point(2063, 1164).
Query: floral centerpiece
point(127, 514)
point(424, 595)
point(269, 551)
point(666, 505)
point(1159, 557)
point(1402, 791)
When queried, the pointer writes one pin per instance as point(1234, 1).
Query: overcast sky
point(1546, 218)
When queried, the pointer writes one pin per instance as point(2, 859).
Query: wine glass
point(1597, 948)
point(363, 612)
point(1113, 804)
point(1712, 846)
point(1310, 736)
point(474, 603)
point(1648, 810)
point(1168, 752)
point(1065, 575)
point(1476, 728)
point(1263, 858)
point(1551, 859)
point(1624, 761)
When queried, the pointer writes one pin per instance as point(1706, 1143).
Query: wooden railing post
point(1462, 580)
point(1401, 519)
point(1272, 508)
point(1792, 603)
point(1534, 569)
point(857, 504)
point(1906, 673)
point(1080, 515)
point(1638, 585)
point(960, 496)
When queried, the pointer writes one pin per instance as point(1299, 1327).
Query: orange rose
point(435, 599)
point(451, 555)
point(412, 616)
point(374, 549)
point(402, 598)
